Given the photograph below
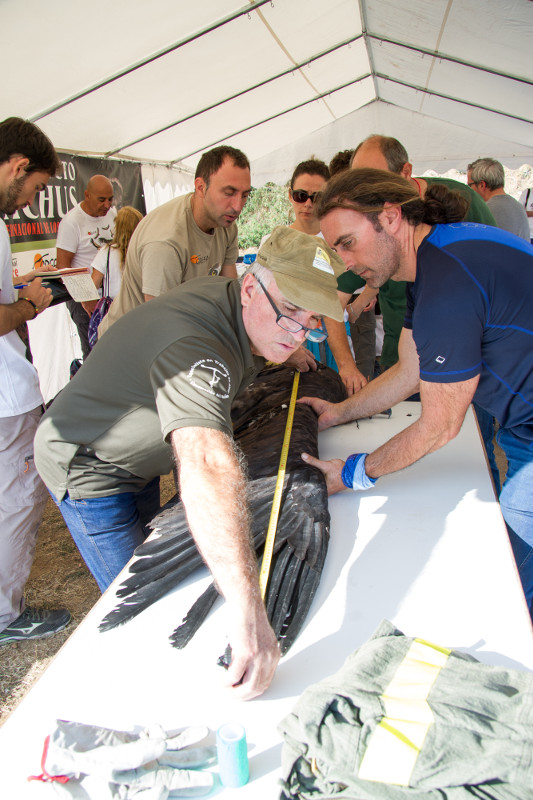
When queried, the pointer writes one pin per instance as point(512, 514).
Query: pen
point(20, 285)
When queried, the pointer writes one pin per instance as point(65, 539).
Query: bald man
point(81, 232)
point(385, 152)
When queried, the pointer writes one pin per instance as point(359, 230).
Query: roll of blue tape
point(232, 752)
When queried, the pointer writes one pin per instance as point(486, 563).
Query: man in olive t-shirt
point(159, 389)
point(189, 237)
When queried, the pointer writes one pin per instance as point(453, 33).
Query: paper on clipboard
point(81, 288)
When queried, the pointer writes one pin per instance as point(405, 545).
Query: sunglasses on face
point(301, 196)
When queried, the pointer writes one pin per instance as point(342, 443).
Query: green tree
point(267, 207)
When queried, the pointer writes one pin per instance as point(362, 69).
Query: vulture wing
point(259, 418)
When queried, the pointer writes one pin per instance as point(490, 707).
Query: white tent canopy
point(161, 82)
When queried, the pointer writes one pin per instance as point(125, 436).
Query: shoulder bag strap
point(106, 278)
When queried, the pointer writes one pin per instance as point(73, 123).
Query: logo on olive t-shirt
point(210, 376)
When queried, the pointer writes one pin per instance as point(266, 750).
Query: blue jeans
point(107, 530)
point(516, 501)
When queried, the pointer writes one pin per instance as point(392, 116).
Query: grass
point(58, 579)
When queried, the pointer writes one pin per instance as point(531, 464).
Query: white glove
point(102, 763)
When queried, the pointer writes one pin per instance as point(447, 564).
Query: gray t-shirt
point(509, 215)
point(176, 361)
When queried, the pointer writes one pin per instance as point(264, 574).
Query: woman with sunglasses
point(308, 180)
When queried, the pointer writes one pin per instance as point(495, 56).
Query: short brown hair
point(340, 161)
point(21, 137)
point(313, 166)
point(211, 161)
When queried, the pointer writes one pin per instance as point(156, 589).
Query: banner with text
point(33, 230)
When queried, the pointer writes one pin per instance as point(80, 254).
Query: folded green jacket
point(404, 718)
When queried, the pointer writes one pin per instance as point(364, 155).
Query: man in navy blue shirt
point(468, 333)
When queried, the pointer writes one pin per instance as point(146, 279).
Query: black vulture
point(259, 417)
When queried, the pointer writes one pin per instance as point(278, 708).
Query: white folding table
point(425, 548)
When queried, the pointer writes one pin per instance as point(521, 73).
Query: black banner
point(33, 230)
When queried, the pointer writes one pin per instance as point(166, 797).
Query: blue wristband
point(354, 475)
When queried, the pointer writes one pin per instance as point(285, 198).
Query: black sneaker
point(35, 623)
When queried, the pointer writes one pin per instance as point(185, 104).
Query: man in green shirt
point(159, 389)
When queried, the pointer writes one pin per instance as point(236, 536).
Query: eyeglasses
point(472, 183)
point(291, 325)
point(301, 196)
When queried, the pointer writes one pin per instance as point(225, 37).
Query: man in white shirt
point(81, 232)
point(27, 161)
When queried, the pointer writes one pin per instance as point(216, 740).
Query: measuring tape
point(274, 514)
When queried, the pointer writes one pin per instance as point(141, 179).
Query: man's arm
point(302, 359)
point(352, 378)
point(163, 267)
point(14, 314)
point(364, 301)
point(394, 385)
point(213, 490)
point(64, 258)
point(444, 406)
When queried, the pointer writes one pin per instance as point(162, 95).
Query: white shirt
point(19, 384)
point(83, 235)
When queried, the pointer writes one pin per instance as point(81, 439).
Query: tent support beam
point(269, 119)
point(338, 88)
point(452, 59)
point(241, 12)
point(288, 71)
point(362, 13)
point(450, 97)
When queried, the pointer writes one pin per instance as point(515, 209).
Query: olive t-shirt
point(176, 361)
point(168, 248)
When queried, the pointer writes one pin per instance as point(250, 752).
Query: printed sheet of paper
point(81, 288)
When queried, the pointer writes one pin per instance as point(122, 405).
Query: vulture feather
point(259, 417)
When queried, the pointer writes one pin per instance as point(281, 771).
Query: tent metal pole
point(452, 59)
point(241, 12)
point(288, 71)
point(450, 97)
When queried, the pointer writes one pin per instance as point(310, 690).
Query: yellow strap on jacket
point(393, 747)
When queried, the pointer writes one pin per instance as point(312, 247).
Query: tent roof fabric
point(163, 82)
